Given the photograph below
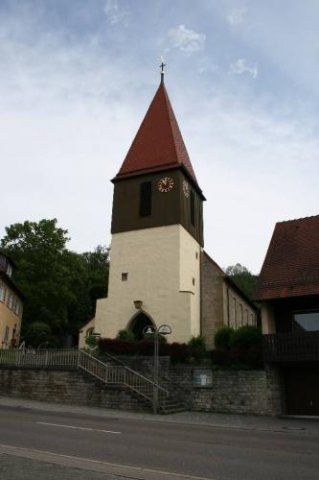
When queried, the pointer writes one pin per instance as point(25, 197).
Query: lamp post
point(156, 331)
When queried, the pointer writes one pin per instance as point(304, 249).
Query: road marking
point(74, 427)
point(95, 465)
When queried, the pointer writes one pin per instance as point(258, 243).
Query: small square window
point(124, 277)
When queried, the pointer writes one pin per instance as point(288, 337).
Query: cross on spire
point(162, 65)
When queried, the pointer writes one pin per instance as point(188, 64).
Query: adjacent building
point(159, 272)
point(11, 305)
point(222, 301)
point(288, 290)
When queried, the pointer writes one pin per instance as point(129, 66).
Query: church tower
point(157, 233)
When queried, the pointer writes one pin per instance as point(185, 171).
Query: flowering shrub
point(179, 352)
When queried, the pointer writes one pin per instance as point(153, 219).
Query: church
point(159, 272)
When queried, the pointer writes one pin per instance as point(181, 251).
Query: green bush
point(241, 348)
point(223, 338)
point(151, 336)
point(197, 342)
point(126, 335)
point(197, 348)
point(38, 333)
point(91, 341)
point(246, 337)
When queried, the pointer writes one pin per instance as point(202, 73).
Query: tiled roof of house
point(158, 144)
point(291, 266)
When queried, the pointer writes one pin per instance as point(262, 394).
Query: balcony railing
point(291, 347)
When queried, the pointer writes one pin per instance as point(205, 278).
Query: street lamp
point(152, 330)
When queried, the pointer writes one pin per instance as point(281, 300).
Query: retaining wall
point(68, 387)
point(255, 392)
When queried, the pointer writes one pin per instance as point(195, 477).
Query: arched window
point(89, 332)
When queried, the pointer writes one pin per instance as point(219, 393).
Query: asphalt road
point(108, 444)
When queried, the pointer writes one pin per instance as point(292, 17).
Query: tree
point(38, 249)
point(61, 286)
point(245, 280)
point(97, 264)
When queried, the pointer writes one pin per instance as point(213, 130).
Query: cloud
point(186, 40)
point(70, 109)
point(115, 13)
point(241, 66)
point(236, 16)
point(256, 156)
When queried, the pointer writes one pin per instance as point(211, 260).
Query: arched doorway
point(138, 323)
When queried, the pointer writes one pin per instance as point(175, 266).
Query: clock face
point(186, 188)
point(165, 184)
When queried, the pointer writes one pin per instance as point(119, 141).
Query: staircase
point(168, 398)
point(113, 372)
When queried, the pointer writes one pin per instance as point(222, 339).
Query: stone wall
point(256, 392)
point(211, 299)
point(238, 392)
point(222, 302)
point(145, 364)
point(67, 387)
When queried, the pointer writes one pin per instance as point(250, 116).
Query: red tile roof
point(291, 266)
point(158, 144)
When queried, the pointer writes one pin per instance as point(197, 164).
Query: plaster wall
point(160, 264)
point(9, 319)
point(85, 331)
point(267, 319)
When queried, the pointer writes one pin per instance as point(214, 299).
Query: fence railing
point(291, 347)
point(120, 375)
point(60, 357)
point(109, 374)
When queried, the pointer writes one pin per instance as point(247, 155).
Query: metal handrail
point(163, 377)
point(74, 358)
point(40, 358)
point(119, 375)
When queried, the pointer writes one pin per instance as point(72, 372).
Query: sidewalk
point(220, 420)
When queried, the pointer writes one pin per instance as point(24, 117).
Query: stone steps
point(166, 405)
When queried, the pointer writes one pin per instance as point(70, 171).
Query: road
point(124, 446)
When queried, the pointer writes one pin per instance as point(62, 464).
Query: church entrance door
point(138, 323)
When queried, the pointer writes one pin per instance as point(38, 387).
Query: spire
point(162, 65)
point(158, 144)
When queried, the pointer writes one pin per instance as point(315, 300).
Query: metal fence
point(60, 357)
point(72, 358)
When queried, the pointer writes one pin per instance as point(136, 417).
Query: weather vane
point(162, 65)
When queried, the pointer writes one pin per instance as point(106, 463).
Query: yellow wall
point(84, 332)
point(8, 318)
point(161, 264)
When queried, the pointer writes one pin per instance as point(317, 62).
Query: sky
point(77, 76)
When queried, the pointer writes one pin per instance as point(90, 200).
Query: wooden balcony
point(291, 347)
